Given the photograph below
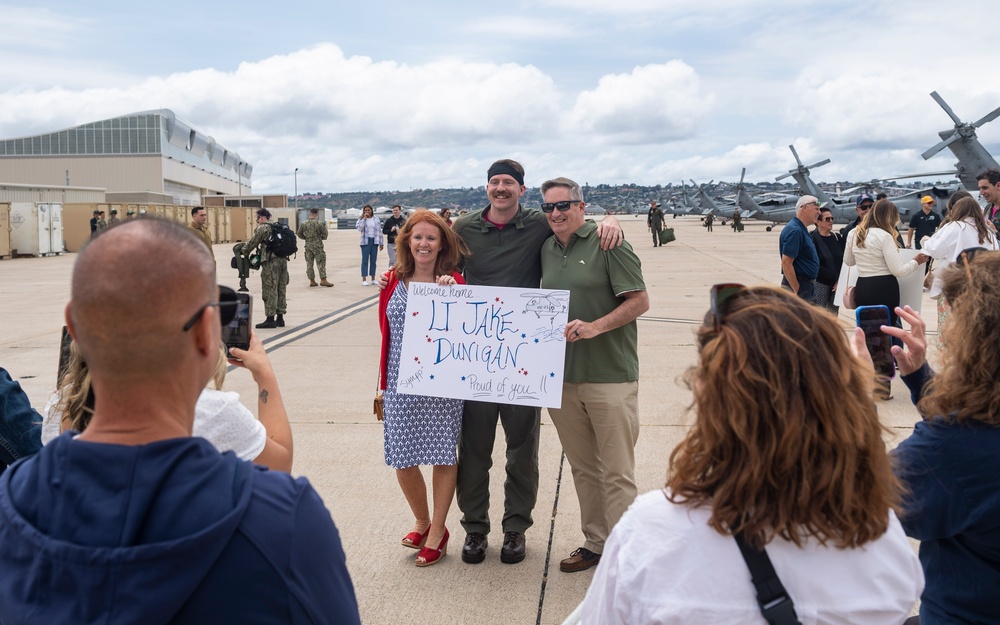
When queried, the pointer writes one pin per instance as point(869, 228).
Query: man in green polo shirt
point(598, 423)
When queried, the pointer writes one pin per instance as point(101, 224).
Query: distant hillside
point(614, 198)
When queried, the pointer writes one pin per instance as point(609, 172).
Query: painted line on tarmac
point(552, 531)
point(671, 320)
point(287, 337)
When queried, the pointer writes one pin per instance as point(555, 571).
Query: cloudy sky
point(393, 95)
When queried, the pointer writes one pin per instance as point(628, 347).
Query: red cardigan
point(383, 320)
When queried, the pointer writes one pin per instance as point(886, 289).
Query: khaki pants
point(598, 427)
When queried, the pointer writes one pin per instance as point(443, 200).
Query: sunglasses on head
point(548, 207)
point(720, 297)
point(226, 304)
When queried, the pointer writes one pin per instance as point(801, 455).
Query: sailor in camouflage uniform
point(314, 232)
point(273, 273)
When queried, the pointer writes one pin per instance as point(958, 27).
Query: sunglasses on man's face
point(826, 219)
point(226, 304)
point(548, 207)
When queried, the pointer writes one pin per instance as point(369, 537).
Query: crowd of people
point(176, 486)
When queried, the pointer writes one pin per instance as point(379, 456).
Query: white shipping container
point(36, 229)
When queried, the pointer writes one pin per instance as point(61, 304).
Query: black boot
point(280, 321)
point(267, 323)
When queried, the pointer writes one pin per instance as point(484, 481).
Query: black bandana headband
point(504, 168)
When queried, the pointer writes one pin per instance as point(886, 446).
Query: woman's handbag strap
point(775, 603)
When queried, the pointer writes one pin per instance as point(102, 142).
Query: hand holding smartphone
point(237, 332)
point(871, 319)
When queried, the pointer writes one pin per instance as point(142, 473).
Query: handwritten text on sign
point(485, 343)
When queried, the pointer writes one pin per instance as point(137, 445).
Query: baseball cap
point(864, 197)
point(927, 199)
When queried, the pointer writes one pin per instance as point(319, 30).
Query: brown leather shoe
point(324, 282)
point(313, 283)
point(580, 560)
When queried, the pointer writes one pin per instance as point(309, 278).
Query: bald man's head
point(134, 287)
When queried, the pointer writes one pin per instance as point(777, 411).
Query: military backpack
point(281, 243)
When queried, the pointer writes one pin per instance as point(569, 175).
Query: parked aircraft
point(779, 208)
point(973, 158)
point(908, 203)
point(710, 207)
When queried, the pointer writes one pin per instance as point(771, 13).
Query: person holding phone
point(874, 247)
point(220, 417)
point(796, 464)
point(96, 519)
point(950, 464)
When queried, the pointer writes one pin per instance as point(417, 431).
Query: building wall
point(58, 194)
point(113, 173)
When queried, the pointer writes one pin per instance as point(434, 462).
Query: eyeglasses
point(826, 219)
point(548, 207)
point(720, 296)
point(226, 304)
point(865, 207)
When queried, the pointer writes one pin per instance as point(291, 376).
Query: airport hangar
point(152, 156)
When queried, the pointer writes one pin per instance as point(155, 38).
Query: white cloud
point(649, 91)
point(655, 103)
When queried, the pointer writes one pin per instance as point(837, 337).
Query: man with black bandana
point(506, 241)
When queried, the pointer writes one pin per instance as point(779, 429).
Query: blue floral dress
point(418, 429)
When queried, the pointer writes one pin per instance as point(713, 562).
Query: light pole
point(296, 191)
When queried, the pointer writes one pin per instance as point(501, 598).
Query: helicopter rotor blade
point(924, 175)
point(987, 118)
point(742, 173)
point(947, 109)
point(796, 155)
point(819, 164)
point(952, 138)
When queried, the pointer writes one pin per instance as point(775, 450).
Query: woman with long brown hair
point(951, 462)
point(786, 449)
point(420, 430)
point(964, 227)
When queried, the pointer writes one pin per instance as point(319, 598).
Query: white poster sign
point(484, 343)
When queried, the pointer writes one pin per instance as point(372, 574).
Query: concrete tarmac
point(326, 360)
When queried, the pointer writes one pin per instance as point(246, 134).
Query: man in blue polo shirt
point(799, 260)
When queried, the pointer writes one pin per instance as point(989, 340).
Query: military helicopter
point(843, 208)
point(710, 207)
point(973, 158)
point(685, 206)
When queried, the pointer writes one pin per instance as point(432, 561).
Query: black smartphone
point(870, 320)
point(237, 332)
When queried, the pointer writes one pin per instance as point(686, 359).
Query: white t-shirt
point(219, 418)
point(664, 564)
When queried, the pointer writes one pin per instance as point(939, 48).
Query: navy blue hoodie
point(169, 532)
